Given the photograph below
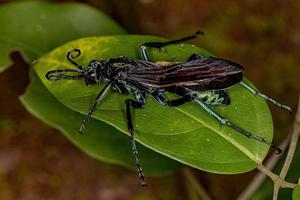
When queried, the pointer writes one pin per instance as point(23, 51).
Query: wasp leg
point(160, 97)
point(222, 120)
point(163, 100)
point(159, 45)
point(225, 121)
point(180, 101)
point(256, 93)
point(134, 104)
point(120, 88)
point(98, 99)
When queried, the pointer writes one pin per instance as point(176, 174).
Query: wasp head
point(92, 74)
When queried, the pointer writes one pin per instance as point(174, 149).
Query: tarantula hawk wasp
point(199, 79)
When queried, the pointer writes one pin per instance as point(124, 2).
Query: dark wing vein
point(205, 73)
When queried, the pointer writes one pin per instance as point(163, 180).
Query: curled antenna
point(75, 53)
point(54, 75)
point(50, 74)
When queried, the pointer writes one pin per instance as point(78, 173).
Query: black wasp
point(199, 79)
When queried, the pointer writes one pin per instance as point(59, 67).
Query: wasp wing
point(205, 73)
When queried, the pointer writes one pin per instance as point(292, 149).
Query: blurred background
point(37, 162)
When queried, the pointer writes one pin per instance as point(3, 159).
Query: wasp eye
point(91, 78)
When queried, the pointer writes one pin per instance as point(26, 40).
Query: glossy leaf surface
point(37, 27)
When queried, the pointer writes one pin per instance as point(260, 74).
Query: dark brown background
point(37, 162)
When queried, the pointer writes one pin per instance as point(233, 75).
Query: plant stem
point(291, 152)
point(259, 178)
point(275, 178)
point(293, 144)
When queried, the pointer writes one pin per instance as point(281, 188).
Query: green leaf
point(38, 27)
point(296, 193)
point(100, 141)
point(186, 133)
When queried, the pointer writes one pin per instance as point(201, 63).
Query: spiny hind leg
point(193, 97)
point(160, 97)
point(256, 93)
point(226, 122)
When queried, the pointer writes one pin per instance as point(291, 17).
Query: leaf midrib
point(229, 139)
